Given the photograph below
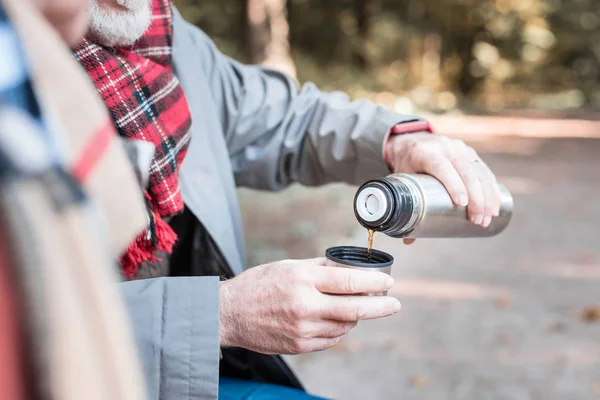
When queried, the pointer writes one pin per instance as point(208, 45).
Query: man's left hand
point(468, 179)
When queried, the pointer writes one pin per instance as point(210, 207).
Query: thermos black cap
point(373, 204)
point(382, 205)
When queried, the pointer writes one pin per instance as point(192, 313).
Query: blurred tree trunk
point(365, 11)
point(267, 35)
point(415, 14)
point(467, 83)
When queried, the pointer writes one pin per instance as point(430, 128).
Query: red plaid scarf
point(146, 103)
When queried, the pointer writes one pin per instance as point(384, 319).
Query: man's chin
point(114, 27)
point(110, 40)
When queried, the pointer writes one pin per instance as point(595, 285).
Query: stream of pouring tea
point(370, 245)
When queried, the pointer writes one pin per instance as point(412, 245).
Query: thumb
point(321, 261)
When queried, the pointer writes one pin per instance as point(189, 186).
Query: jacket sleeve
point(278, 134)
point(176, 329)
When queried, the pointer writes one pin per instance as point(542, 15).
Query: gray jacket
point(252, 127)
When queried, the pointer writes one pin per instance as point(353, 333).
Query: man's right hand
point(293, 307)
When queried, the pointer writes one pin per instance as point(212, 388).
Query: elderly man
point(218, 124)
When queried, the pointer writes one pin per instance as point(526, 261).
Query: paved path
point(498, 318)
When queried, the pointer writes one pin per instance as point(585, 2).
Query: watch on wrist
point(404, 128)
point(412, 127)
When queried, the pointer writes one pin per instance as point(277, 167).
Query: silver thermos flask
point(418, 206)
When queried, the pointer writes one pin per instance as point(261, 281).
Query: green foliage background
point(494, 54)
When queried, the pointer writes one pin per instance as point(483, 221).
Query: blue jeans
point(233, 389)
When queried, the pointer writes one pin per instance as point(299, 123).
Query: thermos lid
point(371, 204)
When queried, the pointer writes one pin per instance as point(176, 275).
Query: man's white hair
point(120, 26)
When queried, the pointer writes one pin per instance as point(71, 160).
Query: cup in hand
point(357, 258)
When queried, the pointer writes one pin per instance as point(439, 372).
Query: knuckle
point(299, 346)
point(476, 207)
point(299, 308)
point(346, 311)
point(412, 145)
point(466, 158)
point(458, 144)
point(430, 157)
point(446, 143)
point(358, 312)
point(295, 273)
point(348, 327)
point(350, 284)
point(335, 341)
point(412, 140)
point(471, 153)
point(433, 158)
point(444, 139)
point(455, 157)
point(301, 330)
point(422, 147)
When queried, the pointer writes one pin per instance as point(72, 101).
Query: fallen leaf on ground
point(502, 301)
point(588, 259)
point(591, 314)
point(419, 382)
point(349, 346)
point(338, 348)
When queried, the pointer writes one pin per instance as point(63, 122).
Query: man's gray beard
point(112, 27)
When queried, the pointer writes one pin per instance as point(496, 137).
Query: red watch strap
point(411, 127)
point(405, 127)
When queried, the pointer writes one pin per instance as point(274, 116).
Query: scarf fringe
point(143, 250)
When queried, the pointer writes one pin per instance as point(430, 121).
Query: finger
point(335, 280)
point(488, 193)
point(321, 261)
point(331, 328)
point(318, 261)
point(493, 183)
point(357, 308)
point(409, 241)
point(441, 168)
point(464, 161)
point(311, 345)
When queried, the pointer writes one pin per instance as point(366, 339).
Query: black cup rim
point(331, 255)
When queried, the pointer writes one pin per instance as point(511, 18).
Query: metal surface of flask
point(419, 206)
